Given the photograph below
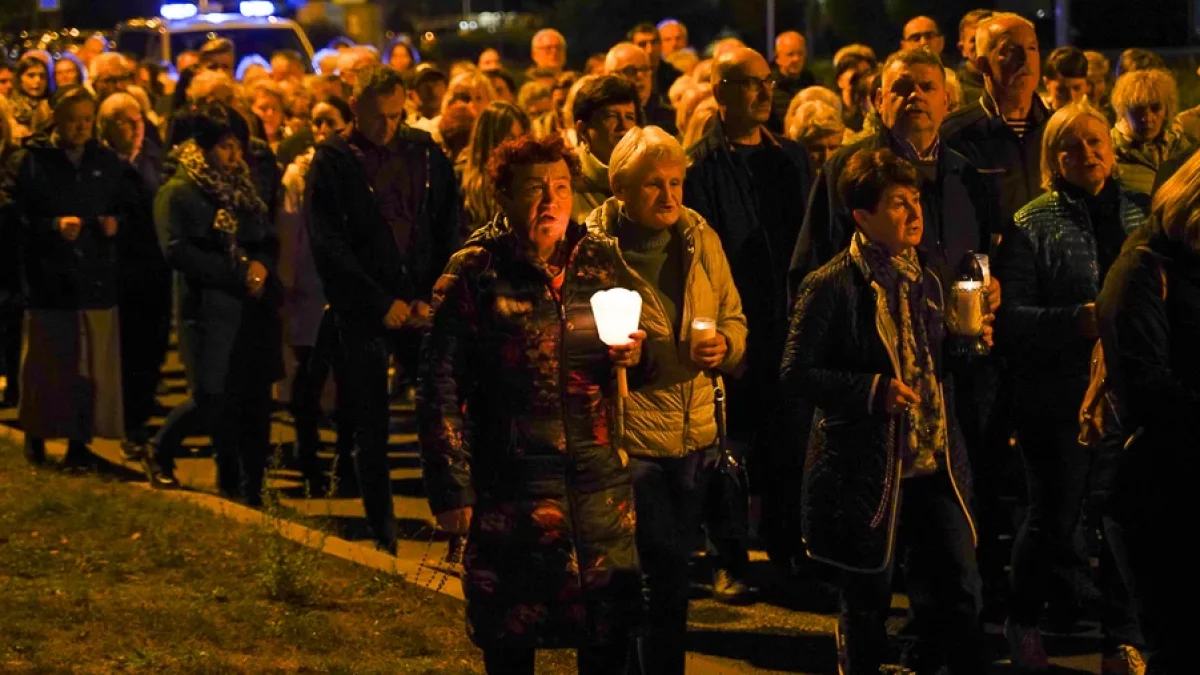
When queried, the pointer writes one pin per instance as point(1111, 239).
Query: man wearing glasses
point(649, 40)
point(549, 52)
point(627, 61)
point(923, 31)
point(751, 187)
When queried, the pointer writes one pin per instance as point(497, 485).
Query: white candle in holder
point(703, 328)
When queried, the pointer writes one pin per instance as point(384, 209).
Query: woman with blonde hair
point(692, 98)
point(819, 128)
point(1052, 264)
point(701, 122)
point(676, 262)
point(499, 122)
point(266, 101)
point(1147, 312)
point(1146, 134)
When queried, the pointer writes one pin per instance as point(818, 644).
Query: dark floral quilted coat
point(514, 419)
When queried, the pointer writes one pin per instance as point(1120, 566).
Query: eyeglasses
point(753, 83)
point(633, 72)
point(921, 37)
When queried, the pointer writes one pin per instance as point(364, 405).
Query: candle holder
point(617, 313)
point(966, 309)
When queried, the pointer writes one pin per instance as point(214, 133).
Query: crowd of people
point(804, 254)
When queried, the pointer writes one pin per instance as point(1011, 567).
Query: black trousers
point(313, 367)
point(1057, 474)
point(363, 361)
point(11, 327)
point(1146, 523)
point(942, 581)
point(668, 494)
point(145, 333)
point(607, 659)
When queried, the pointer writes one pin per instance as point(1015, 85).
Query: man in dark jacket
point(1001, 135)
point(969, 77)
point(381, 214)
point(646, 37)
point(955, 200)
point(751, 188)
point(791, 51)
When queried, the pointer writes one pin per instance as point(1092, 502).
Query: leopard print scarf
point(234, 191)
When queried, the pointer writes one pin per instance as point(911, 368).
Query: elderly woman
point(1052, 264)
point(499, 122)
point(1147, 310)
point(885, 458)
point(819, 128)
point(219, 239)
point(71, 368)
point(145, 279)
point(675, 260)
point(1146, 134)
point(514, 424)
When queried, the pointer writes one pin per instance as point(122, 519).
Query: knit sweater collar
point(639, 237)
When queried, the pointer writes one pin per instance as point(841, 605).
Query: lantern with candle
point(965, 309)
point(617, 313)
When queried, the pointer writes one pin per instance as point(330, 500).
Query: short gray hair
point(813, 121)
point(642, 144)
point(1144, 87)
point(114, 103)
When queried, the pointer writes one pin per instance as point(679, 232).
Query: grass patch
point(96, 577)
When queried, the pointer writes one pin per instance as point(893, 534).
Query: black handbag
point(730, 492)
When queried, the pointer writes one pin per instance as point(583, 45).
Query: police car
point(182, 27)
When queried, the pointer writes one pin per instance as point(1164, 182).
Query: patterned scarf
point(900, 277)
point(233, 191)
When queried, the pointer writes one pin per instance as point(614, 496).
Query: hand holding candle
point(707, 347)
point(617, 313)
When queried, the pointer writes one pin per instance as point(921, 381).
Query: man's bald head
point(725, 46)
point(923, 31)
point(628, 61)
point(791, 51)
point(1008, 56)
point(353, 59)
point(736, 62)
point(674, 36)
point(549, 49)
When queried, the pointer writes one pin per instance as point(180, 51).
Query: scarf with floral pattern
point(233, 191)
point(900, 276)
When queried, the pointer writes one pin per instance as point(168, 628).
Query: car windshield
point(263, 40)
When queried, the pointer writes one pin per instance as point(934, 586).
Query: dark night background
point(594, 25)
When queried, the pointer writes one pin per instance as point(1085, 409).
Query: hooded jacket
point(671, 415)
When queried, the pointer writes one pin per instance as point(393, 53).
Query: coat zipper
point(571, 467)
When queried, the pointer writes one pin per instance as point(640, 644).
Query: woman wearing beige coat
point(675, 261)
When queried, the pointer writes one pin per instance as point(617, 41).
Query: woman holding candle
point(693, 314)
point(515, 429)
point(885, 457)
point(1052, 264)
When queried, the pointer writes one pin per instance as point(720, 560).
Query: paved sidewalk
point(774, 636)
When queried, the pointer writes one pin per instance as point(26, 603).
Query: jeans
point(363, 359)
point(668, 494)
point(606, 659)
point(1057, 472)
point(942, 580)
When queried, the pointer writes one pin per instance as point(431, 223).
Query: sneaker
point(1126, 661)
point(160, 478)
point(1028, 653)
point(730, 590)
point(131, 451)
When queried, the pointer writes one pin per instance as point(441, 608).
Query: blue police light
point(256, 8)
point(178, 10)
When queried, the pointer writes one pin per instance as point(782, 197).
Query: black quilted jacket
point(836, 358)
